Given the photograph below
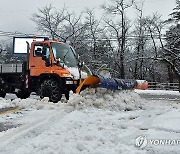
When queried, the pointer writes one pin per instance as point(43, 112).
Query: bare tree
point(119, 27)
point(95, 33)
point(49, 20)
point(140, 41)
point(72, 27)
point(94, 29)
point(59, 23)
point(154, 26)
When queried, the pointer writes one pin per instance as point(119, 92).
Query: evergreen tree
point(175, 15)
point(172, 54)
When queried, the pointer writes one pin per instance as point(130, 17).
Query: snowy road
point(160, 97)
point(95, 123)
point(153, 95)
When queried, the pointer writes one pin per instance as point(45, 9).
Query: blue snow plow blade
point(126, 84)
point(116, 84)
point(111, 83)
point(108, 83)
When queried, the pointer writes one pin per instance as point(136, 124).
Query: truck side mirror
point(43, 57)
point(81, 64)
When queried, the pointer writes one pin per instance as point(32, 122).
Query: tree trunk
point(179, 83)
point(123, 41)
point(170, 74)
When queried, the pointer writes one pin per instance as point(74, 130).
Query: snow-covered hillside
point(95, 122)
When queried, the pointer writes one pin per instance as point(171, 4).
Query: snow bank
point(106, 99)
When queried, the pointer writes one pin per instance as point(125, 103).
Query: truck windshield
point(65, 53)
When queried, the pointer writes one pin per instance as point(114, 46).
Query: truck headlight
point(66, 75)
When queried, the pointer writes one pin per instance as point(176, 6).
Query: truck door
point(40, 60)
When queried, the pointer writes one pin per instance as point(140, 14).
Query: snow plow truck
point(51, 69)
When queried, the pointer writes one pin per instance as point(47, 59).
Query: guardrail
point(163, 86)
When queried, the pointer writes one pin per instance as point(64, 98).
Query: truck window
point(38, 50)
point(66, 54)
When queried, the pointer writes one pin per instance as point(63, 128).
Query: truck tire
point(23, 94)
point(2, 93)
point(50, 88)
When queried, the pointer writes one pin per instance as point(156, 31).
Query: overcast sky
point(15, 14)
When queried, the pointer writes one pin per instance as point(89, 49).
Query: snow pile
point(5, 103)
point(29, 103)
point(106, 99)
point(32, 103)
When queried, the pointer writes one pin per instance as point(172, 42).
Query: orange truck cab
point(51, 69)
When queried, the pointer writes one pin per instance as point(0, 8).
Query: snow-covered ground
point(95, 122)
point(158, 92)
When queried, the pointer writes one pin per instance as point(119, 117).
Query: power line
point(10, 34)
point(148, 37)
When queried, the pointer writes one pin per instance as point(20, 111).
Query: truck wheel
point(23, 94)
point(2, 93)
point(51, 89)
point(67, 95)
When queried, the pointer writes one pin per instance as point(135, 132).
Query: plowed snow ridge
point(106, 99)
point(90, 98)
